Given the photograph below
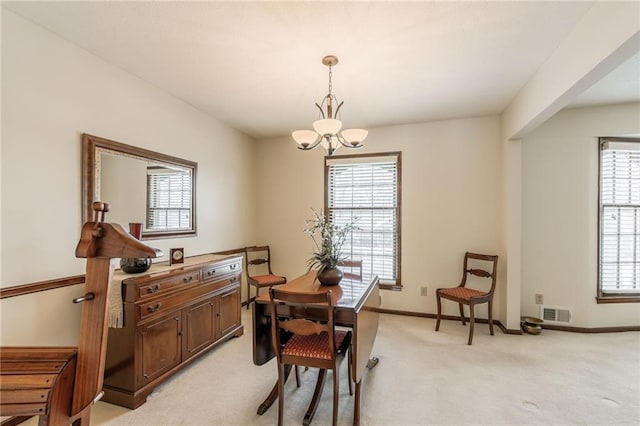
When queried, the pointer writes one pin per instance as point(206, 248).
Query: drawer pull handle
point(232, 279)
point(187, 279)
point(209, 273)
point(151, 309)
point(88, 296)
point(234, 266)
point(153, 289)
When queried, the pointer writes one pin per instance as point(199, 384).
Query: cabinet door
point(159, 347)
point(228, 311)
point(200, 327)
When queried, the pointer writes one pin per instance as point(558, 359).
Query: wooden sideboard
point(172, 314)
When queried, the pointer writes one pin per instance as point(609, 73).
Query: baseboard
point(506, 330)
point(591, 330)
point(497, 323)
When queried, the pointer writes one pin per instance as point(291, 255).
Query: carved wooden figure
point(60, 384)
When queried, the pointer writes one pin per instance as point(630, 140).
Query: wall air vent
point(556, 314)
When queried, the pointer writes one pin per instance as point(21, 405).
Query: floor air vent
point(556, 314)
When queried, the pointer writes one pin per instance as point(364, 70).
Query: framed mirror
point(142, 186)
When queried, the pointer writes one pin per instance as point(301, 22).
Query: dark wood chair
point(351, 269)
point(468, 296)
point(303, 342)
point(60, 384)
point(259, 273)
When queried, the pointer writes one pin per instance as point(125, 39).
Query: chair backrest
point(257, 258)
point(483, 273)
point(351, 269)
point(284, 328)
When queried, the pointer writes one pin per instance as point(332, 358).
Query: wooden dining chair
point(309, 343)
point(259, 273)
point(464, 295)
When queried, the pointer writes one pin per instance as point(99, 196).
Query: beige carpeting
point(424, 377)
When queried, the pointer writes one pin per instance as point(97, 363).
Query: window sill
point(392, 287)
point(618, 299)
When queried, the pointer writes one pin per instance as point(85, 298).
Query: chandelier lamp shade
point(327, 131)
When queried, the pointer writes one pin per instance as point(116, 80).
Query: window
point(619, 220)
point(168, 199)
point(367, 188)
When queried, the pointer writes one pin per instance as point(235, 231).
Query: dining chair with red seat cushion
point(259, 273)
point(468, 296)
point(308, 343)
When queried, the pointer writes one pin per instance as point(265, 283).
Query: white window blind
point(366, 189)
point(169, 199)
point(619, 217)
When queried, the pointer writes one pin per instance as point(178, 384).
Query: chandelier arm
point(321, 111)
point(346, 144)
point(312, 145)
point(338, 109)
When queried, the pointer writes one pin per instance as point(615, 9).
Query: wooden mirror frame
point(91, 145)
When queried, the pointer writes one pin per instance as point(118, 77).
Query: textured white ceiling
point(257, 65)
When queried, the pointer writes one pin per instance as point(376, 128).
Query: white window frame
point(618, 220)
point(173, 199)
point(388, 280)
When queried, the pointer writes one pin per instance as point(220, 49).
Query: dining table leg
point(311, 411)
point(274, 393)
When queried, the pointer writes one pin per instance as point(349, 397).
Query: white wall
point(560, 213)
point(52, 92)
point(450, 202)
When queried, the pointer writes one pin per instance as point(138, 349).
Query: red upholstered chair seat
point(461, 292)
point(267, 280)
point(315, 345)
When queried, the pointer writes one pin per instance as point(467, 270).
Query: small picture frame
point(176, 256)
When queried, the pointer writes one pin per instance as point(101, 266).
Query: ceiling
point(257, 65)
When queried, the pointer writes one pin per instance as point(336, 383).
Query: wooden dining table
point(355, 302)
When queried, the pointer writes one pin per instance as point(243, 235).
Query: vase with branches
point(328, 240)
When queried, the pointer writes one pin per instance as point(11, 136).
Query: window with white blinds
point(169, 199)
point(619, 239)
point(367, 189)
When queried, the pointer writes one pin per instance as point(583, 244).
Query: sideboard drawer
point(214, 272)
point(162, 305)
point(156, 287)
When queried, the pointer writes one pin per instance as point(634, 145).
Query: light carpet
point(424, 377)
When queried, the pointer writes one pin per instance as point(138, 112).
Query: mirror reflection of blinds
point(169, 198)
point(620, 217)
point(368, 192)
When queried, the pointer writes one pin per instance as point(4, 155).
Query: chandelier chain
point(330, 75)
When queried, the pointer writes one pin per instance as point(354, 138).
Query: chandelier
point(326, 130)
